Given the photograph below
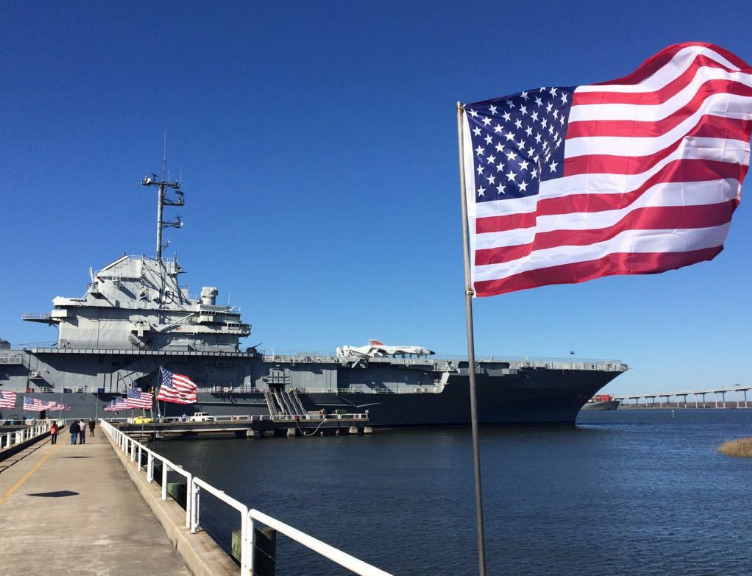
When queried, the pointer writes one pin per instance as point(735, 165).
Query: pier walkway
point(74, 510)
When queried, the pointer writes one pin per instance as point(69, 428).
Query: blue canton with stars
point(518, 141)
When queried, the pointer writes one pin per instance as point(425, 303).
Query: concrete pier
point(74, 510)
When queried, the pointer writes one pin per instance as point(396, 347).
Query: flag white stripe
point(167, 392)
point(679, 64)
point(629, 241)
point(669, 194)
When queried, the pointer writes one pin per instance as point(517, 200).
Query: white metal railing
point(16, 437)
point(248, 517)
point(327, 551)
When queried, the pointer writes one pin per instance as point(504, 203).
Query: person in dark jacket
point(92, 423)
point(75, 428)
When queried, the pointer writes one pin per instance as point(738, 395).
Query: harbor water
point(634, 492)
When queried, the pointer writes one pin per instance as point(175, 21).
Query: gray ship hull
point(506, 395)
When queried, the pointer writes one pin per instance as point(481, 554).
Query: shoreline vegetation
point(741, 448)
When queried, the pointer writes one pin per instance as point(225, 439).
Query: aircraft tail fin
point(376, 343)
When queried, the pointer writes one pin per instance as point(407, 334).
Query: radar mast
point(163, 186)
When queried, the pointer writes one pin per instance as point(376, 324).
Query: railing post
point(165, 467)
point(139, 457)
point(245, 548)
point(195, 507)
point(188, 484)
point(251, 539)
point(150, 467)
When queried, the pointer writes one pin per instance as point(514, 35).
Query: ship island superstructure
point(136, 303)
point(135, 317)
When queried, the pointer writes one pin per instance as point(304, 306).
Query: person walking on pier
point(92, 423)
point(74, 430)
point(82, 434)
point(54, 429)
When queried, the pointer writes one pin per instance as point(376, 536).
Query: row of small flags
point(8, 400)
point(37, 405)
point(175, 388)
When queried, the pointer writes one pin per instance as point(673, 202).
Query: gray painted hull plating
point(530, 397)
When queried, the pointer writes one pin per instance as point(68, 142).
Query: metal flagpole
point(469, 292)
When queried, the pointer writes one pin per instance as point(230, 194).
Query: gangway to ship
point(284, 403)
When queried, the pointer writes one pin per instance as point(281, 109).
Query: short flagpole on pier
point(471, 353)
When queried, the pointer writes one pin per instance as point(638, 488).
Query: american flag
point(137, 399)
point(177, 388)
point(633, 176)
point(35, 405)
point(7, 399)
point(58, 407)
point(115, 405)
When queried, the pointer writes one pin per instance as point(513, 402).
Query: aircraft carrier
point(135, 318)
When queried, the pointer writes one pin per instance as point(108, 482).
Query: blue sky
point(318, 153)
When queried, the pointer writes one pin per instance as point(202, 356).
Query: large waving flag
point(633, 176)
point(177, 388)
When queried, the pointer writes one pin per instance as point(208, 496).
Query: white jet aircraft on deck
point(376, 349)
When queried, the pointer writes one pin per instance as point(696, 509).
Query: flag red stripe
point(650, 96)
point(642, 129)
point(658, 61)
point(650, 218)
point(609, 265)
point(708, 127)
point(675, 171)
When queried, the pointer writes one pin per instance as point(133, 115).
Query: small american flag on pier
point(35, 405)
point(177, 388)
point(633, 176)
point(7, 399)
point(115, 405)
point(58, 407)
point(135, 398)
